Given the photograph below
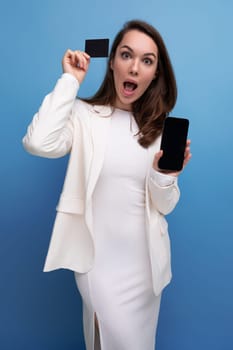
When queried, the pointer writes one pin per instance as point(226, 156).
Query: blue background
point(42, 311)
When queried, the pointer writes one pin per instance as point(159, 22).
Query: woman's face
point(134, 67)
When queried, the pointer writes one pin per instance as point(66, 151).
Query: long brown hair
point(158, 100)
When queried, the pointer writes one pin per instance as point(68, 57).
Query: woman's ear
point(156, 74)
point(111, 64)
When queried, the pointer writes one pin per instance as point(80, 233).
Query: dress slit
point(97, 332)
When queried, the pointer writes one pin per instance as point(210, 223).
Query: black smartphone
point(173, 143)
point(97, 47)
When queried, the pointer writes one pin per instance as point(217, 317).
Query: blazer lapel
point(100, 125)
point(154, 148)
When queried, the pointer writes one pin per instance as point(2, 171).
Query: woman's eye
point(148, 61)
point(125, 55)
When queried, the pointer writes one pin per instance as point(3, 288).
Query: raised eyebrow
point(145, 54)
point(150, 54)
point(126, 47)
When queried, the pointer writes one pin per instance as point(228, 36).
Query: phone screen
point(173, 143)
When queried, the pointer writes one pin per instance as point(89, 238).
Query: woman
point(110, 227)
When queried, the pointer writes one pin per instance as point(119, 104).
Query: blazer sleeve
point(164, 191)
point(50, 133)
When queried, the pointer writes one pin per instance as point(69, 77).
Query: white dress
point(119, 287)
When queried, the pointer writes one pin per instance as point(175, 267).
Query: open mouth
point(129, 86)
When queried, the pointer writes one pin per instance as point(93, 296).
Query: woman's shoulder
point(86, 107)
point(81, 105)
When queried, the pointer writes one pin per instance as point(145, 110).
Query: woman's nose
point(134, 68)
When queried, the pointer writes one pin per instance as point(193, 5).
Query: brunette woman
point(110, 227)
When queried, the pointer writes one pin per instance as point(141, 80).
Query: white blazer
point(66, 124)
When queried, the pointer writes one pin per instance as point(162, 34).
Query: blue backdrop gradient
point(42, 311)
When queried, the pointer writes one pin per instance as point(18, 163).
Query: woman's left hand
point(187, 157)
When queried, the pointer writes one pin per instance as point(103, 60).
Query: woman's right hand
point(76, 63)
